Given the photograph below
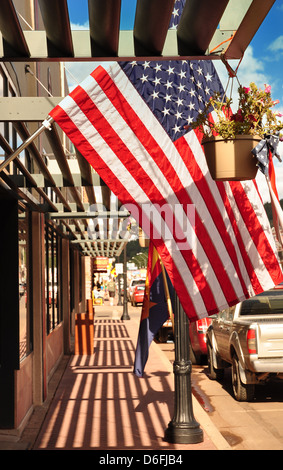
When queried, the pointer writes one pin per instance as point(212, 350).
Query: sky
point(262, 62)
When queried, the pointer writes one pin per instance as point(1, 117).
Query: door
point(222, 330)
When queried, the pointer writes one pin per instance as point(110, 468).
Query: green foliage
point(133, 247)
point(268, 209)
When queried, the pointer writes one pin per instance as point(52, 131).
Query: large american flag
point(129, 120)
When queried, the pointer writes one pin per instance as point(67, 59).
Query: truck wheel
point(242, 392)
point(193, 357)
point(214, 374)
point(163, 335)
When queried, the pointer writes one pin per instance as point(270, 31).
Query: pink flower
point(246, 90)
point(267, 89)
point(275, 102)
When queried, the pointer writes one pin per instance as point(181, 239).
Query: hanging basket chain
point(231, 75)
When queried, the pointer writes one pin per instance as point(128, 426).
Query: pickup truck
point(248, 337)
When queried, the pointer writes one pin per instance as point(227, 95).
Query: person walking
point(111, 289)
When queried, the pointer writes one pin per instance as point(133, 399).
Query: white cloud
point(76, 26)
point(276, 45)
point(250, 70)
point(76, 72)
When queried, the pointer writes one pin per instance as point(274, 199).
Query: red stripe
point(275, 216)
point(271, 172)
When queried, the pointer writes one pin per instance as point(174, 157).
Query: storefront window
point(52, 279)
point(24, 284)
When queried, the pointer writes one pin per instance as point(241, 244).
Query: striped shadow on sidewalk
point(100, 404)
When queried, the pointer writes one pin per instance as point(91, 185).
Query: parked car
point(138, 294)
point(133, 283)
point(249, 338)
point(197, 333)
point(198, 347)
point(165, 333)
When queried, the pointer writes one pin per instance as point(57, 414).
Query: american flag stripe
point(277, 214)
point(115, 130)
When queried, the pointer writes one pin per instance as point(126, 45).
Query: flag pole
point(276, 203)
point(167, 294)
point(45, 125)
point(125, 315)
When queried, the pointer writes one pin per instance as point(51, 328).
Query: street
point(257, 425)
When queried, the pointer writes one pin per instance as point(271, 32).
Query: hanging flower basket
point(231, 159)
point(231, 137)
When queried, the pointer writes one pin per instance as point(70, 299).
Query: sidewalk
point(97, 403)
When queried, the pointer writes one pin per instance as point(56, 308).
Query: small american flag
point(129, 121)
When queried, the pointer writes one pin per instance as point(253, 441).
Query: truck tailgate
point(270, 339)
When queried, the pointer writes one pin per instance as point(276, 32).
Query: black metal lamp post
point(125, 315)
point(119, 290)
point(183, 428)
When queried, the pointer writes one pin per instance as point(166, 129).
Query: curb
point(200, 414)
